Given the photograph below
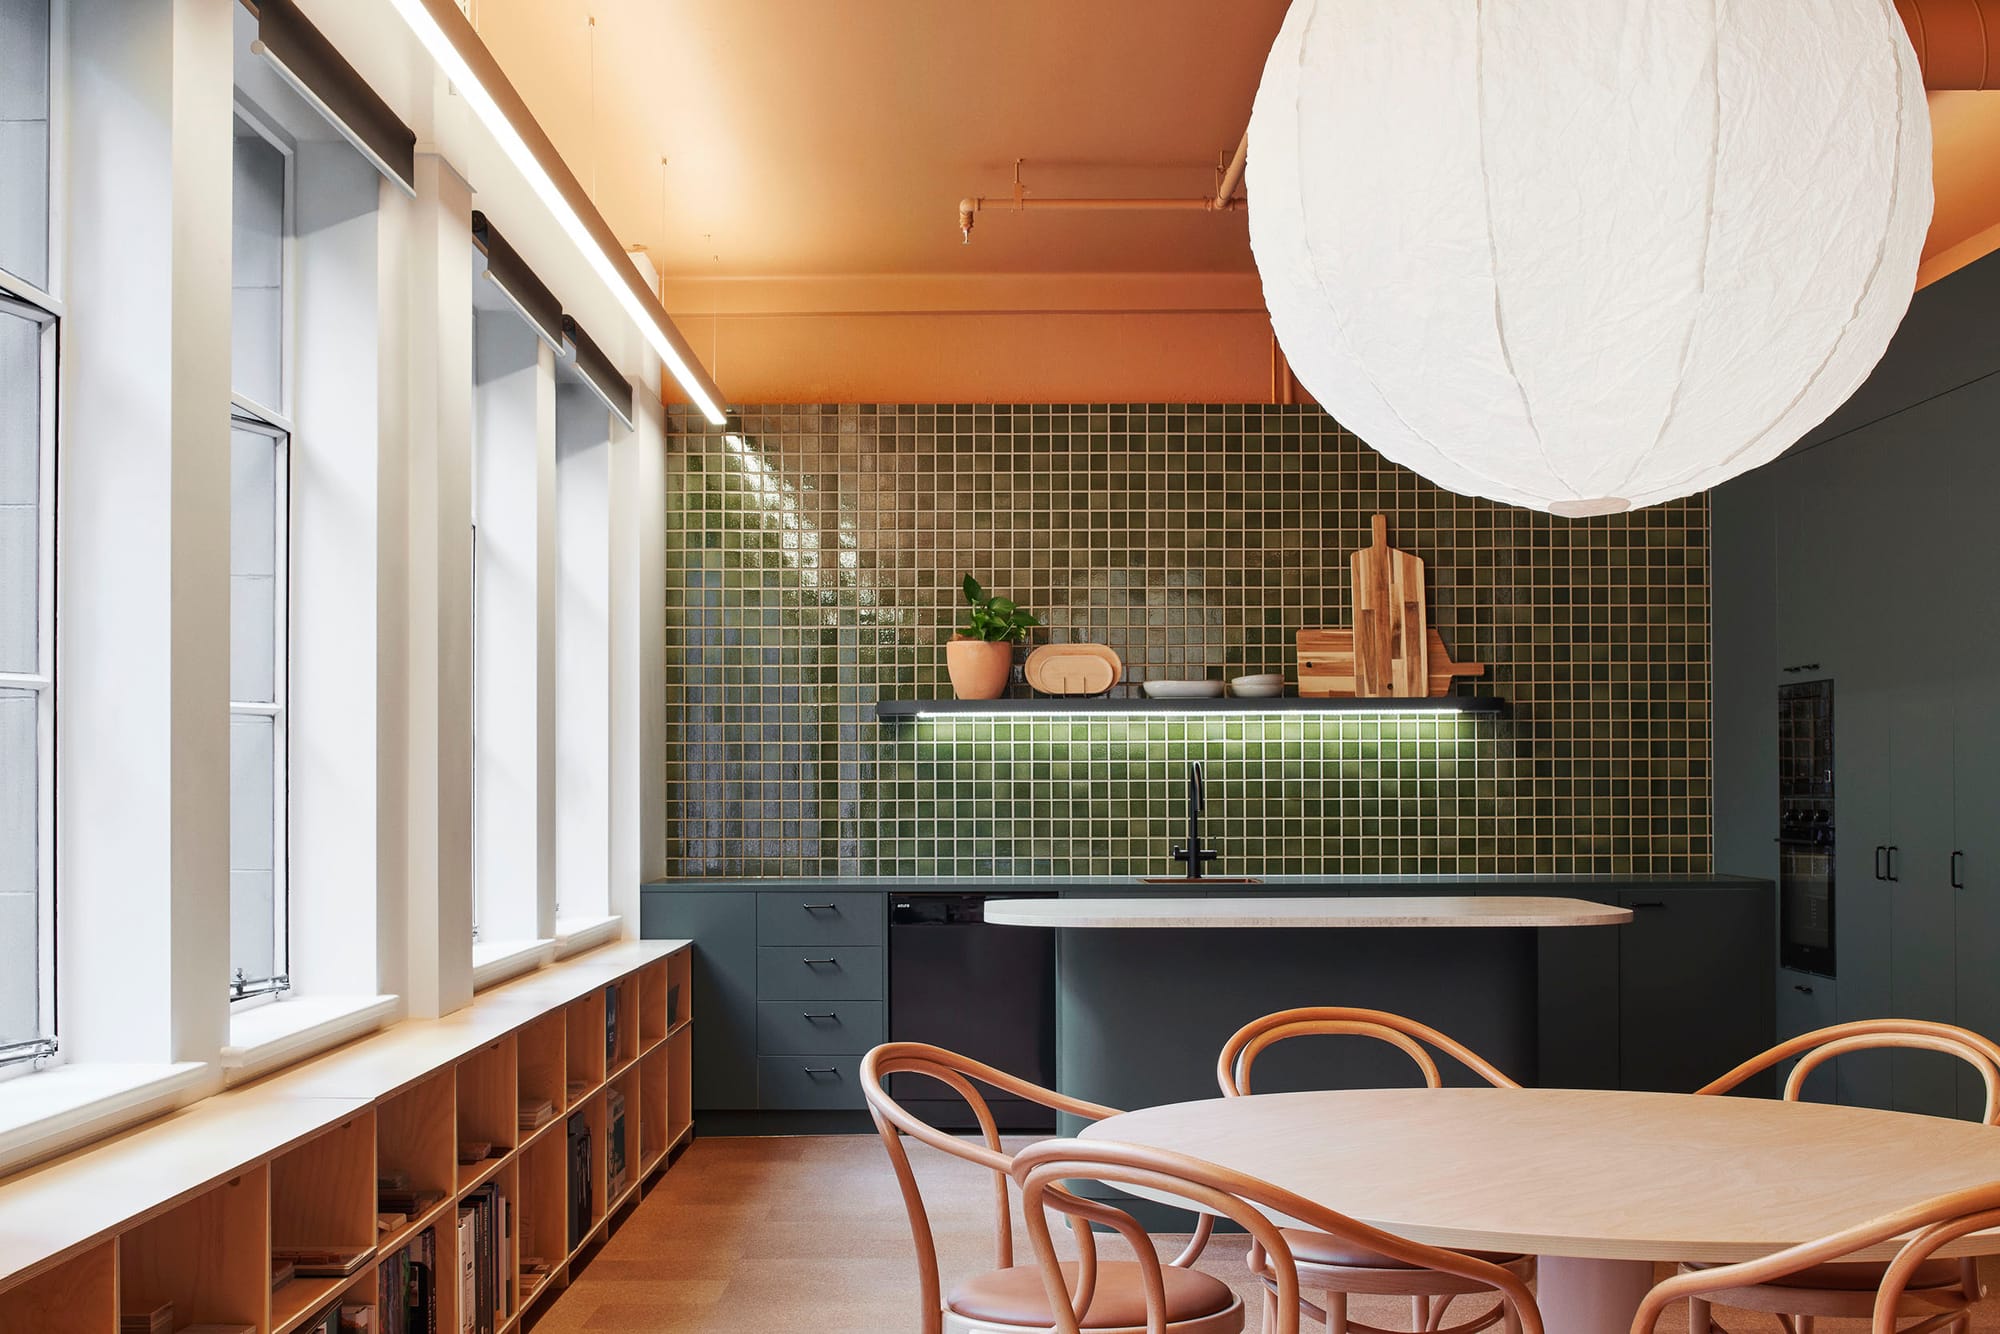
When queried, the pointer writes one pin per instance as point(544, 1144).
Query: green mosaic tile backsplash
point(813, 567)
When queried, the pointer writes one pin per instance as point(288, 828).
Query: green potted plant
point(981, 656)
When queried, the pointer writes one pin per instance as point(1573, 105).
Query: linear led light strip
point(475, 76)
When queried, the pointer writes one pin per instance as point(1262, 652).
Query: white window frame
point(270, 419)
point(243, 991)
point(20, 299)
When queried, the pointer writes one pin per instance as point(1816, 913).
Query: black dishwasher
point(988, 992)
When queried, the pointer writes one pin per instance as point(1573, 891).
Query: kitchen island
point(1149, 989)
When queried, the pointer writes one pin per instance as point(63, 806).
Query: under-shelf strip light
point(476, 77)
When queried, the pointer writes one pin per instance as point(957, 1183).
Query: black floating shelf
point(897, 710)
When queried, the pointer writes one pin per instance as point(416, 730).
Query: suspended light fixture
point(1588, 255)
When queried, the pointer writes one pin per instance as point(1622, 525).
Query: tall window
point(259, 582)
point(27, 543)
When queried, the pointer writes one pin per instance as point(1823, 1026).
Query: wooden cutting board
point(1326, 664)
point(1391, 630)
point(1073, 669)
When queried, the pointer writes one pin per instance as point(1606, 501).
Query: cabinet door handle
point(815, 1018)
point(1649, 903)
point(1890, 862)
point(820, 907)
point(817, 963)
point(818, 1070)
point(1879, 850)
point(1802, 988)
point(1957, 855)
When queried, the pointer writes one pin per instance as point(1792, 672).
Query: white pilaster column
point(143, 568)
point(346, 458)
point(583, 653)
point(438, 652)
point(516, 628)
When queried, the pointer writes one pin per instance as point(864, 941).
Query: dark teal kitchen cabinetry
point(1884, 578)
point(1664, 1003)
point(797, 978)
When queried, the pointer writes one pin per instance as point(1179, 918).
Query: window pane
point(252, 866)
point(253, 566)
point(24, 139)
point(20, 467)
point(20, 947)
point(258, 269)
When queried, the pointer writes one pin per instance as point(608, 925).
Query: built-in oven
point(1806, 901)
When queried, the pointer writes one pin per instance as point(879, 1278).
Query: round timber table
point(1598, 1184)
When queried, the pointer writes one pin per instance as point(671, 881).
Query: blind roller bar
point(597, 371)
point(518, 283)
point(303, 58)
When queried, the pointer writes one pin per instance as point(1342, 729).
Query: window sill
point(270, 1036)
point(574, 935)
point(500, 960)
point(51, 1111)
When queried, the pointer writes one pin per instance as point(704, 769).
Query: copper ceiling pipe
point(1955, 42)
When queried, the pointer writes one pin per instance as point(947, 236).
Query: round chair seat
point(1017, 1296)
point(1317, 1248)
point(1857, 1276)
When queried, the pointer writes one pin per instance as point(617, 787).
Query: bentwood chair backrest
point(1935, 1223)
point(1822, 1045)
point(1416, 1040)
point(1217, 1191)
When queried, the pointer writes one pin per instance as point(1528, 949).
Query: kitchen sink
point(1204, 880)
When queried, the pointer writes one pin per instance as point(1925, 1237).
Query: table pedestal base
point(1590, 1296)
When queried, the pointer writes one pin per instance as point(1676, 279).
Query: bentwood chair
point(1847, 1288)
point(1113, 1296)
point(1043, 1169)
point(1327, 1264)
point(1898, 1291)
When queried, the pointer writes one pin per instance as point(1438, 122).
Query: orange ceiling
point(816, 150)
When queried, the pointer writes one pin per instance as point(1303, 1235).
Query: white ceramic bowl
point(1183, 689)
point(1274, 680)
point(1264, 691)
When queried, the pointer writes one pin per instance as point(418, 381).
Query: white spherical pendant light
point(1587, 255)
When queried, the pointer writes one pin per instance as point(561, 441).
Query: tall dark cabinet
point(1883, 576)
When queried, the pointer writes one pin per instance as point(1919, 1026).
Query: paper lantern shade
point(1587, 255)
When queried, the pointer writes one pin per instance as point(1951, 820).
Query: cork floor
point(807, 1236)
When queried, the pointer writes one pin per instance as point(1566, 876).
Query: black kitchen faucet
point(1194, 854)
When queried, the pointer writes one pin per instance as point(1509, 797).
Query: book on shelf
point(407, 1202)
point(468, 1284)
point(614, 1144)
point(356, 1318)
point(580, 1185)
point(673, 1004)
point(406, 1294)
point(323, 1261)
point(386, 1222)
point(158, 1320)
point(610, 1027)
point(536, 1113)
point(474, 1151)
point(576, 1088)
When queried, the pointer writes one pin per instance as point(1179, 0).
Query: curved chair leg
point(1336, 1313)
point(1805, 1324)
point(1510, 1319)
point(1701, 1316)
point(1420, 1314)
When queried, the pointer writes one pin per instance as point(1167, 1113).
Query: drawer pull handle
point(815, 1018)
point(818, 1070)
point(816, 963)
point(1649, 903)
point(820, 907)
point(1802, 988)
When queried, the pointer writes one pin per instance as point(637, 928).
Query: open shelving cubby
point(623, 1114)
point(322, 1198)
point(680, 989)
point(583, 1046)
point(210, 1256)
point(654, 987)
point(544, 1072)
point(680, 1086)
point(489, 1108)
point(78, 1296)
point(416, 1143)
point(655, 1136)
point(541, 1212)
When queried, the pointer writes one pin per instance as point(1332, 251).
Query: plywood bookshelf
point(189, 1209)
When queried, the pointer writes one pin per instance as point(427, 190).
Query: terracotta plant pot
point(979, 668)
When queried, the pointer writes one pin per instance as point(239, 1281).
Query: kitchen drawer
point(814, 917)
point(801, 1028)
point(818, 972)
point(808, 1083)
